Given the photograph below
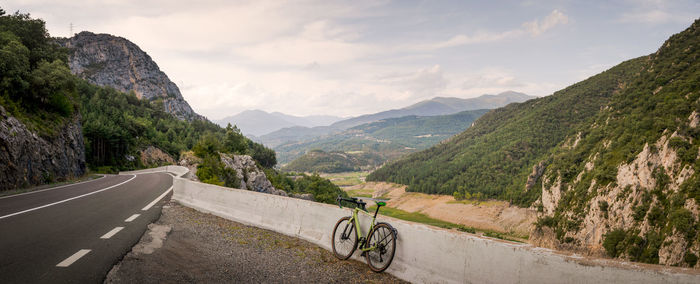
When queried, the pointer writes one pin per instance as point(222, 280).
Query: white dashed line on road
point(68, 261)
point(132, 218)
point(111, 233)
point(157, 199)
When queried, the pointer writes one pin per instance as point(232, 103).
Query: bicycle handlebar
point(351, 200)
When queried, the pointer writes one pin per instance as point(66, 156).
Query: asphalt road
point(72, 234)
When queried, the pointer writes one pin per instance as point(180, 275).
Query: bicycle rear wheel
point(344, 238)
point(383, 239)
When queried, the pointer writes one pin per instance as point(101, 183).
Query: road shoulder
point(185, 245)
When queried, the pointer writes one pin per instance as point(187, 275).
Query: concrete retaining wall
point(424, 254)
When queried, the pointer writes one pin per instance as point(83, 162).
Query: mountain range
point(382, 140)
point(258, 122)
point(433, 107)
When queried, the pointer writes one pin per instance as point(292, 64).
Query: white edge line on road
point(132, 218)
point(68, 261)
point(65, 200)
point(157, 199)
point(52, 188)
point(111, 233)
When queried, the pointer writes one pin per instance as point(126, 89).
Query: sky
point(348, 58)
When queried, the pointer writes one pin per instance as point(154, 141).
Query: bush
point(613, 242)
point(690, 258)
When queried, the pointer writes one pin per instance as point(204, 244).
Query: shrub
point(612, 242)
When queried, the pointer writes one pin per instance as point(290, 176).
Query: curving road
point(76, 233)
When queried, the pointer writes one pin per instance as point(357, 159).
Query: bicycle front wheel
point(383, 240)
point(344, 238)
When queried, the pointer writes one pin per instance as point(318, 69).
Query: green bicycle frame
point(355, 218)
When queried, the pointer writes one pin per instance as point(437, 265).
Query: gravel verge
point(188, 246)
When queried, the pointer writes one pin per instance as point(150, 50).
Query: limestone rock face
point(152, 156)
point(108, 60)
point(251, 177)
point(27, 159)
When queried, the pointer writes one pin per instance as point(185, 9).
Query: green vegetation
point(318, 161)
point(655, 103)
point(495, 155)
point(323, 190)
point(621, 106)
point(581, 135)
point(387, 138)
point(36, 85)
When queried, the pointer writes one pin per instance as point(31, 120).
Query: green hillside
point(318, 161)
point(651, 126)
point(388, 138)
point(37, 87)
point(611, 162)
point(497, 153)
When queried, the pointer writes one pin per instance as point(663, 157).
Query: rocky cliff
point(29, 159)
point(108, 60)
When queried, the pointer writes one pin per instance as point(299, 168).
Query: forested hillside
point(629, 182)
point(38, 88)
point(318, 161)
point(612, 162)
point(497, 153)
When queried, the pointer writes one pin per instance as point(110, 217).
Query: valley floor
point(185, 245)
point(490, 216)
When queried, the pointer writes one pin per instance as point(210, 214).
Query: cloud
point(533, 28)
point(537, 27)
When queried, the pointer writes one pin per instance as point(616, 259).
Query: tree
point(234, 141)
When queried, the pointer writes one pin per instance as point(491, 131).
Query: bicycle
point(380, 245)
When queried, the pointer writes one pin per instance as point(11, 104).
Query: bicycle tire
point(384, 237)
point(344, 224)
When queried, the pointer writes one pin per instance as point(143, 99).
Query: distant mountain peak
point(108, 60)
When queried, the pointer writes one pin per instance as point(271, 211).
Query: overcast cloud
point(354, 57)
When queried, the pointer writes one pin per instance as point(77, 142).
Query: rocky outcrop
point(108, 60)
point(251, 177)
point(616, 204)
point(247, 171)
point(153, 157)
point(189, 160)
point(28, 159)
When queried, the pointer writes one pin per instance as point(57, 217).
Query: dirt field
point(493, 215)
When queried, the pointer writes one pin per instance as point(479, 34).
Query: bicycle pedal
point(363, 253)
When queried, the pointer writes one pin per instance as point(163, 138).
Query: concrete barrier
point(424, 254)
point(178, 171)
